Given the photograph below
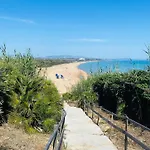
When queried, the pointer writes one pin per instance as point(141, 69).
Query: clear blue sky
point(97, 28)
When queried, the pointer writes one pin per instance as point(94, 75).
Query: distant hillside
point(69, 57)
point(61, 59)
point(63, 56)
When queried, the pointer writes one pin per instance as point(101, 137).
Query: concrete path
point(82, 134)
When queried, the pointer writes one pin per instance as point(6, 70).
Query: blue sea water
point(114, 65)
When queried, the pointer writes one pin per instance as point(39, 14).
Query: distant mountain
point(63, 56)
point(69, 57)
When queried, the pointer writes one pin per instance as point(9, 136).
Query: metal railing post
point(98, 120)
point(92, 111)
point(55, 139)
point(83, 106)
point(87, 109)
point(126, 137)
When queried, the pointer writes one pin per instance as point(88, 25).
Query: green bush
point(82, 91)
point(5, 106)
point(48, 124)
point(48, 105)
point(32, 98)
point(67, 96)
point(122, 93)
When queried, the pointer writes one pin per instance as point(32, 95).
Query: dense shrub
point(122, 93)
point(48, 107)
point(82, 91)
point(33, 100)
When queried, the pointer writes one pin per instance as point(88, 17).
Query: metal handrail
point(59, 131)
point(138, 124)
point(125, 132)
point(126, 117)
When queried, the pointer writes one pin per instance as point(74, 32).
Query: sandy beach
point(71, 73)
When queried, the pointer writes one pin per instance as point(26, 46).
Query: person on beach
point(57, 76)
point(62, 77)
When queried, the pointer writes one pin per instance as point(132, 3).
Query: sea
point(114, 65)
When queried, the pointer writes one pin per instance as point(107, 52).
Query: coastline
point(72, 75)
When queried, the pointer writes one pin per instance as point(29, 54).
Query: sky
point(90, 28)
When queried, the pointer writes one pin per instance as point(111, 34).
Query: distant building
point(81, 59)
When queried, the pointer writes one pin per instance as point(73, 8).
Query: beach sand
point(72, 75)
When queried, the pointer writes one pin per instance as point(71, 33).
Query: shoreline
point(72, 75)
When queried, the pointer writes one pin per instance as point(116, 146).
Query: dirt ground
point(12, 138)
